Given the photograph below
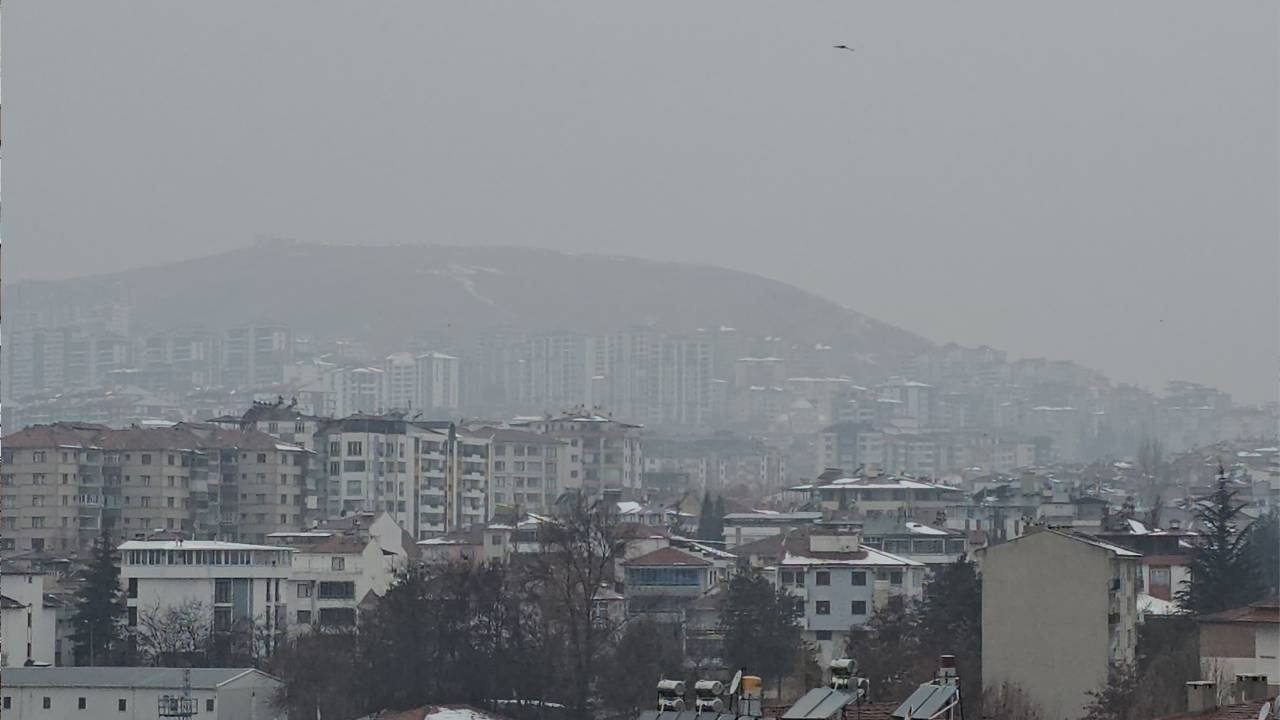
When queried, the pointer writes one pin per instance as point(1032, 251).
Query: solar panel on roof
point(926, 701)
point(818, 704)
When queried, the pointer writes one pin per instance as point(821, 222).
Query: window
point(208, 705)
point(337, 590)
point(146, 459)
point(822, 607)
point(355, 448)
point(304, 590)
point(335, 467)
point(37, 522)
point(859, 578)
point(499, 466)
point(47, 702)
point(824, 577)
point(338, 617)
point(133, 617)
point(335, 448)
point(262, 458)
point(304, 617)
point(7, 703)
point(858, 607)
point(133, 587)
point(338, 563)
point(80, 703)
point(895, 577)
point(122, 705)
point(822, 635)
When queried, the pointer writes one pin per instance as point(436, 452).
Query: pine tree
point(761, 626)
point(718, 520)
point(1223, 571)
point(99, 633)
point(1264, 546)
point(706, 522)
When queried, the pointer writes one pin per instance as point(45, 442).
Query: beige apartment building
point(1058, 609)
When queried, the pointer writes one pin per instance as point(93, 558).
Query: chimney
point(1250, 686)
point(1202, 696)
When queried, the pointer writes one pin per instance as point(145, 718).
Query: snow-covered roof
point(922, 529)
point(194, 545)
point(873, 557)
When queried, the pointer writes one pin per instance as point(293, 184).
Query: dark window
point(338, 617)
point(859, 578)
point(895, 577)
point(146, 459)
point(133, 617)
point(47, 702)
point(208, 705)
point(133, 587)
point(304, 617)
point(824, 577)
point(823, 607)
point(122, 705)
point(337, 590)
point(80, 704)
point(7, 702)
point(262, 458)
point(823, 635)
point(858, 607)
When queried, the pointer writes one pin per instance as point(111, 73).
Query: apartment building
point(1058, 610)
point(529, 470)
point(28, 620)
point(332, 575)
point(608, 449)
point(884, 496)
point(425, 475)
point(238, 584)
point(63, 483)
point(255, 355)
point(840, 581)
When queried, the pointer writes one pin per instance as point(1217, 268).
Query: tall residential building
point(63, 483)
point(608, 449)
point(438, 382)
point(651, 378)
point(1058, 611)
point(255, 355)
point(553, 371)
point(425, 475)
point(529, 470)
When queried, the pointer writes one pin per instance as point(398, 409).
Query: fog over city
point(609, 360)
point(1094, 182)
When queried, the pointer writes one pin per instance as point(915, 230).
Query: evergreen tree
point(950, 618)
point(1264, 546)
point(706, 524)
point(718, 520)
point(890, 650)
point(1223, 570)
point(761, 626)
point(99, 633)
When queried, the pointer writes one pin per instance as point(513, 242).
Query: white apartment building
point(28, 626)
point(332, 575)
point(437, 380)
point(399, 382)
point(235, 582)
point(1058, 610)
point(135, 693)
point(841, 582)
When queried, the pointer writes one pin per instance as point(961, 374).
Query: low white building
point(135, 693)
point(332, 575)
point(235, 582)
point(28, 625)
point(841, 582)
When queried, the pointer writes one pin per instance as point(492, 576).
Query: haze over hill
point(387, 294)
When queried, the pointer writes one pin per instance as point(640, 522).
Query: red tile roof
point(1266, 610)
point(667, 557)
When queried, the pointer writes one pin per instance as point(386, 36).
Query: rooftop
point(667, 557)
point(121, 677)
point(193, 545)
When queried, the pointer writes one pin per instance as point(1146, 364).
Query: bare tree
point(175, 636)
point(1009, 702)
point(578, 549)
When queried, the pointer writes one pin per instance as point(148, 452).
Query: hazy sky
point(1094, 181)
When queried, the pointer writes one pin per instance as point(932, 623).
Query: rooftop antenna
point(179, 706)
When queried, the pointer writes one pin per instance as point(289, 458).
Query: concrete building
point(234, 582)
point(840, 581)
point(332, 575)
point(28, 620)
point(438, 382)
point(529, 470)
point(1242, 641)
point(135, 693)
point(1058, 609)
point(256, 355)
point(608, 449)
point(661, 584)
point(886, 496)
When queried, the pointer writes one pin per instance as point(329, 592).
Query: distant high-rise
point(255, 355)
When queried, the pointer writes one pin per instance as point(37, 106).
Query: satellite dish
point(737, 681)
point(1264, 712)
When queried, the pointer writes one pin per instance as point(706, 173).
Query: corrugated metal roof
point(122, 677)
point(818, 704)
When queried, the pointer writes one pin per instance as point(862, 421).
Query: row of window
point(206, 557)
point(82, 703)
point(856, 607)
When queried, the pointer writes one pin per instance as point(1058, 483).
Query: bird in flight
point(842, 47)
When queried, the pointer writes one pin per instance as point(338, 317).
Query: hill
point(384, 294)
